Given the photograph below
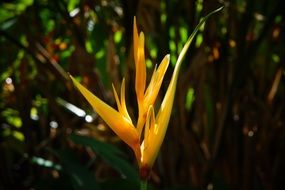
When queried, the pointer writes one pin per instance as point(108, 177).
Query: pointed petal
point(123, 101)
point(136, 39)
point(117, 99)
point(116, 121)
point(156, 135)
point(121, 104)
point(152, 91)
point(140, 69)
point(149, 126)
point(156, 81)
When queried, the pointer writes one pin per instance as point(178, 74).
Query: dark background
point(227, 128)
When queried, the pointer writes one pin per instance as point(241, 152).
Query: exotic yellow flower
point(154, 126)
point(120, 121)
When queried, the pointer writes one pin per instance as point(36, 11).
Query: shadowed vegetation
point(227, 126)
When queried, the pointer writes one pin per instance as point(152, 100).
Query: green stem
point(143, 184)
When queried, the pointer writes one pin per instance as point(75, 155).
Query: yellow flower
point(154, 126)
point(120, 121)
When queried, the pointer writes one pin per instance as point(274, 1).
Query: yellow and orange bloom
point(145, 146)
point(120, 121)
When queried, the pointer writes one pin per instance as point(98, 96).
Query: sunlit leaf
point(276, 58)
point(189, 98)
point(9, 10)
point(199, 40)
point(18, 135)
point(183, 34)
point(72, 5)
point(12, 117)
point(118, 36)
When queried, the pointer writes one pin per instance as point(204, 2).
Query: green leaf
point(190, 97)
point(191, 37)
point(81, 177)
point(118, 36)
point(10, 10)
point(110, 154)
point(72, 4)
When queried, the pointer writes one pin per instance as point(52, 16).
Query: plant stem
point(143, 184)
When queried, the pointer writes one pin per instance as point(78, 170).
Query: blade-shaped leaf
point(108, 153)
point(81, 178)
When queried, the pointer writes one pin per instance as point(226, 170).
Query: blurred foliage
point(227, 130)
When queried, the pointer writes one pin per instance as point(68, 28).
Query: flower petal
point(140, 69)
point(121, 104)
point(135, 39)
point(155, 83)
point(148, 134)
point(123, 101)
point(139, 62)
point(116, 121)
point(117, 99)
point(152, 91)
point(157, 133)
